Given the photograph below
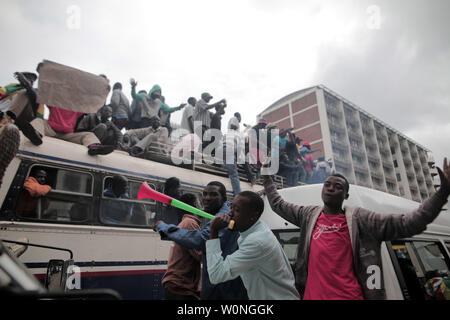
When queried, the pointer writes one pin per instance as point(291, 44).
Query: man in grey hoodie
point(339, 250)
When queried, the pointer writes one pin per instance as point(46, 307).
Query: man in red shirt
point(339, 250)
point(61, 124)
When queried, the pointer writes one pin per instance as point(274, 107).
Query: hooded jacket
point(148, 106)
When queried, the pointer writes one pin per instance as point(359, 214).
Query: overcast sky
point(391, 58)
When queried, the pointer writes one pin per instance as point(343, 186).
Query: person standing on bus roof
point(234, 122)
point(260, 259)
point(120, 107)
point(202, 114)
point(215, 203)
point(182, 279)
point(187, 120)
point(152, 104)
point(339, 250)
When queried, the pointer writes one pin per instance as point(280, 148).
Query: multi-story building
point(365, 149)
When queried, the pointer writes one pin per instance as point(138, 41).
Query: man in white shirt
point(234, 154)
point(233, 124)
point(260, 260)
point(202, 113)
point(187, 121)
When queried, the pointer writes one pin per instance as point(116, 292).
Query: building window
point(399, 178)
point(396, 164)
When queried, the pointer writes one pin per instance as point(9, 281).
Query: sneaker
point(123, 147)
point(31, 133)
point(136, 151)
point(95, 149)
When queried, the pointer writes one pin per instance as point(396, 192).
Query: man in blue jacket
point(214, 202)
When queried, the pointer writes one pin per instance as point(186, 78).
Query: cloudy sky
point(391, 58)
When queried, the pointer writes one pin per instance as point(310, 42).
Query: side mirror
point(57, 271)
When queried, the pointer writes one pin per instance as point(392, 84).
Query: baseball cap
point(206, 95)
point(262, 121)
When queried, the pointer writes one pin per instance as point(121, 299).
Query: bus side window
point(425, 269)
point(125, 209)
point(69, 200)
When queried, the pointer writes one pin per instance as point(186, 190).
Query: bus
point(129, 258)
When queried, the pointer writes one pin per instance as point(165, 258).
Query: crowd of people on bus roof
point(144, 125)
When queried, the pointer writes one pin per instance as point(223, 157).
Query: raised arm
point(137, 96)
point(168, 109)
point(393, 226)
point(289, 211)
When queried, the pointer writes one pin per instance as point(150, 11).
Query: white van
point(407, 263)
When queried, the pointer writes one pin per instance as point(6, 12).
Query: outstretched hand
point(444, 176)
point(265, 164)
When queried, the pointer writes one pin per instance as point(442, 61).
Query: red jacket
point(183, 268)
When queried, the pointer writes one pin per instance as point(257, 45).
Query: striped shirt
point(202, 114)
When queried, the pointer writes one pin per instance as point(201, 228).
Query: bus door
point(422, 268)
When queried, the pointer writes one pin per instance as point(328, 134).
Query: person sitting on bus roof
point(61, 124)
point(141, 139)
point(34, 189)
point(182, 278)
point(100, 124)
point(117, 212)
point(339, 250)
point(215, 203)
point(260, 259)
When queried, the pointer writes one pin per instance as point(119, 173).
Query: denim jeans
point(234, 177)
